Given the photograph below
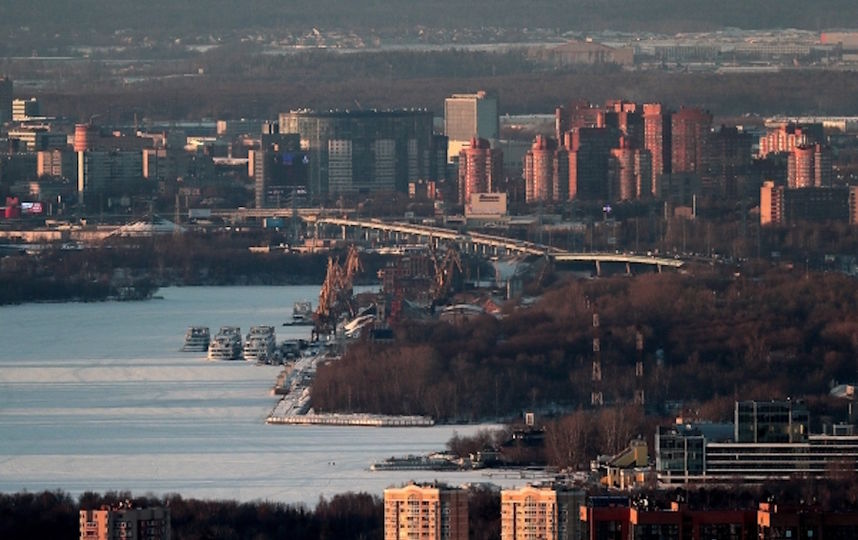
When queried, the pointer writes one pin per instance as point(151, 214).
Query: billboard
point(486, 205)
point(32, 208)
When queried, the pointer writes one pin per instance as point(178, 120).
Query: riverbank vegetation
point(708, 340)
point(134, 268)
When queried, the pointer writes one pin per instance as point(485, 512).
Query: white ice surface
point(96, 397)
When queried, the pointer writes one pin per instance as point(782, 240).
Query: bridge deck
point(499, 242)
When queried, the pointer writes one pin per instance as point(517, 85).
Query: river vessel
point(197, 339)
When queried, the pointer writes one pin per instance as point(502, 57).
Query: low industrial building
point(770, 441)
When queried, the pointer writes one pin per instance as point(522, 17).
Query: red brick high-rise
point(688, 128)
point(809, 166)
point(546, 171)
point(480, 168)
point(626, 117)
point(630, 172)
point(656, 119)
point(579, 114)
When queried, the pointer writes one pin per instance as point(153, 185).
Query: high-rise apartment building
point(625, 117)
point(480, 169)
point(809, 166)
point(788, 136)
point(780, 205)
point(467, 116)
point(125, 523)
point(771, 203)
point(547, 513)
point(546, 171)
point(425, 512)
point(630, 172)
point(656, 119)
point(688, 128)
point(579, 114)
point(589, 161)
point(362, 151)
point(5, 100)
point(726, 163)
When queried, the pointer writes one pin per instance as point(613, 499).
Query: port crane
point(335, 297)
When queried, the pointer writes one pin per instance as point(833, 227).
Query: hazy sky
point(197, 16)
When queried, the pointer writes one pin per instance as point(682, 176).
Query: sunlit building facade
point(425, 512)
point(467, 116)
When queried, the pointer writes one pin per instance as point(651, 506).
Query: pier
point(356, 419)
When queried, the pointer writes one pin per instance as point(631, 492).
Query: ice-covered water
point(96, 397)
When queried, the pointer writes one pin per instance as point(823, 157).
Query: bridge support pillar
point(344, 232)
point(659, 268)
point(628, 268)
point(598, 268)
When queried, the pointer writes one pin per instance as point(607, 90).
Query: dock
point(357, 419)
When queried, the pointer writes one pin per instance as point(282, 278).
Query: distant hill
point(199, 17)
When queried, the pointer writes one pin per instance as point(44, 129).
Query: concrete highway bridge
point(485, 244)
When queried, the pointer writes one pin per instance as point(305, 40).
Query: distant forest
point(228, 96)
point(166, 17)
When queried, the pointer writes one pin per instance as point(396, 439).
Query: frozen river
point(96, 397)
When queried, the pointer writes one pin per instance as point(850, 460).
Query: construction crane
point(335, 297)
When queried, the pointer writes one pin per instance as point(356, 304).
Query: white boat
point(226, 345)
point(302, 314)
point(197, 339)
point(261, 345)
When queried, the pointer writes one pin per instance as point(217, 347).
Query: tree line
point(347, 516)
point(58, 274)
point(708, 339)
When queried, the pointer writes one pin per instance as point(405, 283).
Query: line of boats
point(259, 345)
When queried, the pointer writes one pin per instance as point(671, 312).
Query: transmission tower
point(596, 396)
point(639, 368)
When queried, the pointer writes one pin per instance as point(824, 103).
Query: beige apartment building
point(425, 512)
point(541, 513)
